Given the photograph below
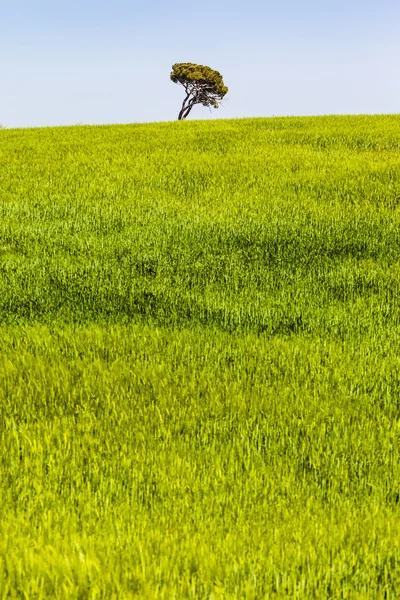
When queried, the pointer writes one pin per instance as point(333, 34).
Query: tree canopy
point(202, 84)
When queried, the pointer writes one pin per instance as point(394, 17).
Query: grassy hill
point(199, 360)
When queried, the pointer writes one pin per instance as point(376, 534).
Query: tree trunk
point(184, 113)
point(181, 112)
point(186, 108)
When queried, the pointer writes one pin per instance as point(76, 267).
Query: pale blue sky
point(67, 61)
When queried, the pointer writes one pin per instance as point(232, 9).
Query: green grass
point(199, 364)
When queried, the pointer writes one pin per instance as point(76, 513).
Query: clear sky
point(65, 62)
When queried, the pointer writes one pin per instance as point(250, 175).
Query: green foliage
point(191, 73)
point(199, 371)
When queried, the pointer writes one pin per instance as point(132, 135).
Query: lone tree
point(202, 85)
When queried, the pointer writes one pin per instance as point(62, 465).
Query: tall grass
point(199, 369)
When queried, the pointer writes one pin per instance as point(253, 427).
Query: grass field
point(199, 360)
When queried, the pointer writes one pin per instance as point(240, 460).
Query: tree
point(202, 85)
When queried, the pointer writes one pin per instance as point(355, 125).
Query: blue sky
point(69, 62)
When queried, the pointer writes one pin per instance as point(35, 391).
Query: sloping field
point(199, 360)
